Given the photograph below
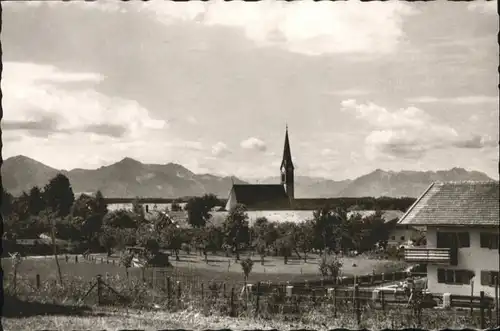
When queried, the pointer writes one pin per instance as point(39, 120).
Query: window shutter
point(485, 275)
point(483, 240)
point(441, 277)
point(463, 239)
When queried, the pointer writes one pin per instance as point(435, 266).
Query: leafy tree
point(261, 250)
point(36, 202)
point(138, 211)
point(304, 237)
point(235, 228)
point(6, 203)
point(90, 212)
point(330, 266)
point(120, 219)
point(284, 246)
point(176, 206)
point(172, 237)
point(58, 195)
point(246, 266)
point(199, 208)
point(126, 261)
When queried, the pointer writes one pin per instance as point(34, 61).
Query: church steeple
point(287, 154)
point(287, 168)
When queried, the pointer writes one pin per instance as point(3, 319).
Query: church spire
point(287, 154)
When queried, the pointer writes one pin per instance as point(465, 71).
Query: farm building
point(462, 231)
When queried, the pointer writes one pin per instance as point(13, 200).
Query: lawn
point(219, 268)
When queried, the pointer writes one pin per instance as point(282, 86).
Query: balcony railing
point(446, 256)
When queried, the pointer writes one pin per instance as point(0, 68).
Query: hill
point(405, 183)
point(129, 178)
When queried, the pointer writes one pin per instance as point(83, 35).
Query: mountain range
point(131, 178)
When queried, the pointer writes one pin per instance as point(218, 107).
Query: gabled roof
point(456, 203)
point(261, 196)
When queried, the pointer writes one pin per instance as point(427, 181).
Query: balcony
point(443, 256)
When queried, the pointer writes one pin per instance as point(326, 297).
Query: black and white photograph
point(250, 165)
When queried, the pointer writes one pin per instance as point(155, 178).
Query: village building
point(462, 232)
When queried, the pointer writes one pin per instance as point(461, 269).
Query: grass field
point(219, 268)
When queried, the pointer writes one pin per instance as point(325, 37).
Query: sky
point(362, 86)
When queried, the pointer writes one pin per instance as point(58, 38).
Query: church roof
point(287, 154)
point(261, 195)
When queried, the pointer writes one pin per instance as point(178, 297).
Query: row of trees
point(87, 220)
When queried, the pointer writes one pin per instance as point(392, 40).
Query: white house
point(462, 232)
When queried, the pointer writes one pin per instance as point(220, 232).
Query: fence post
point(178, 291)
point(356, 304)
point(224, 290)
point(99, 290)
point(334, 302)
point(481, 308)
point(313, 296)
point(66, 257)
point(496, 302)
point(383, 277)
point(37, 281)
point(471, 303)
point(232, 302)
point(169, 294)
point(257, 299)
point(382, 300)
point(202, 292)
point(76, 258)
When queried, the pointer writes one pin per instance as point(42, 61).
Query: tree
point(176, 206)
point(36, 202)
point(199, 208)
point(58, 195)
point(120, 219)
point(330, 266)
point(138, 211)
point(261, 250)
point(304, 238)
point(90, 212)
point(6, 203)
point(172, 237)
point(246, 266)
point(235, 228)
point(284, 247)
point(126, 261)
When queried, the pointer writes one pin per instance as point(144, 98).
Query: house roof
point(456, 203)
point(261, 196)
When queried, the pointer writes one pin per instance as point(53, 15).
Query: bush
point(330, 266)
point(247, 266)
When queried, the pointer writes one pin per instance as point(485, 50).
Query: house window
point(488, 277)
point(489, 240)
point(452, 239)
point(402, 238)
point(453, 276)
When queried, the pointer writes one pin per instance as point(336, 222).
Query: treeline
point(87, 222)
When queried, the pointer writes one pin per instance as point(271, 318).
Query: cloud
point(465, 100)
point(220, 149)
point(477, 141)
point(36, 103)
point(407, 133)
point(328, 152)
point(350, 92)
point(483, 7)
point(305, 27)
point(254, 143)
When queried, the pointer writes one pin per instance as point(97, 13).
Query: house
point(462, 231)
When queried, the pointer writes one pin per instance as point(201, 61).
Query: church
point(273, 196)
